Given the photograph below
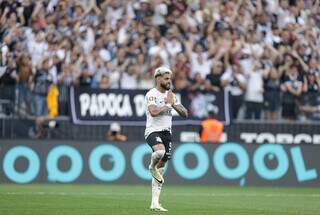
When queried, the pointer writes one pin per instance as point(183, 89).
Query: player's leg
point(157, 155)
point(156, 187)
point(158, 149)
point(156, 190)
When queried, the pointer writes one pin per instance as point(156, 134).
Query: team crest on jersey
point(158, 139)
point(152, 98)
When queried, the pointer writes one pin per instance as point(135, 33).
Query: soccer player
point(160, 101)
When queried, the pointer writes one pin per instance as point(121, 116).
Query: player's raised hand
point(170, 97)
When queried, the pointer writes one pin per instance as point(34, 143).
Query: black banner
point(98, 107)
point(284, 133)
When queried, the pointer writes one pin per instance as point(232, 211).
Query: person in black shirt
point(291, 89)
point(8, 80)
point(42, 81)
point(213, 80)
point(8, 73)
point(310, 106)
point(85, 79)
point(312, 82)
point(197, 84)
point(234, 80)
point(271, 93)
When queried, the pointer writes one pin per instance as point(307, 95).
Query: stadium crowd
point(265, 52)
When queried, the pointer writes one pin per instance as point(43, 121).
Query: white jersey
point(161, 122)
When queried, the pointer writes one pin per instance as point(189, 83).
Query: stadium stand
point(265, 53)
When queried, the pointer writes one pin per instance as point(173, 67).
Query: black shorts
point(161, 137)
point(272, 101)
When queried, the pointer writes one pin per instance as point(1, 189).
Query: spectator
point(291, 88)
point(114, 133)
point(104, 82)
point(271, 93)
point(181, 72)
point(37, 48)
point(129, 79)
point(24, 67)
point(67, 76)
point(52, 102)
point(173, 45)
point(211, 128)
point(8, 79)
point(86, 38)
point(311, 101)
point(254, 92)
point(234, 80)
point(114, 75)
point(159, 17)
point(160, 49)
point(42, 81)
point(87, 41)
point(199, 60)
point(213, 80)
point(197, 83)
point(99, 72)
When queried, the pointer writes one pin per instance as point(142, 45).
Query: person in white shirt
point(254, 92)
point(129, 79)
point(37, 48)
point(159, 16)
point(173, 45)
point(200, 62)
point(160, 101)
point(86, 38)
point(235, 82)
point(160, 49)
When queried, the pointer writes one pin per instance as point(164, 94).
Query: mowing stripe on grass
point(165, 194)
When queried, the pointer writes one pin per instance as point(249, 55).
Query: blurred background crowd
point(265, 52)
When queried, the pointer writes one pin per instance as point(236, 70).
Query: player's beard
point(166, 86)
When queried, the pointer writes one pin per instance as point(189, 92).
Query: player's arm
point(182, 111)
point(156, 111)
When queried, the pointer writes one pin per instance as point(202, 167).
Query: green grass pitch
point(135, 200)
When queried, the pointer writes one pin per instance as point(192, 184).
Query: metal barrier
point(246, 132)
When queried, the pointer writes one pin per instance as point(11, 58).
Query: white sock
point(156, 189)
point(156, 157)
